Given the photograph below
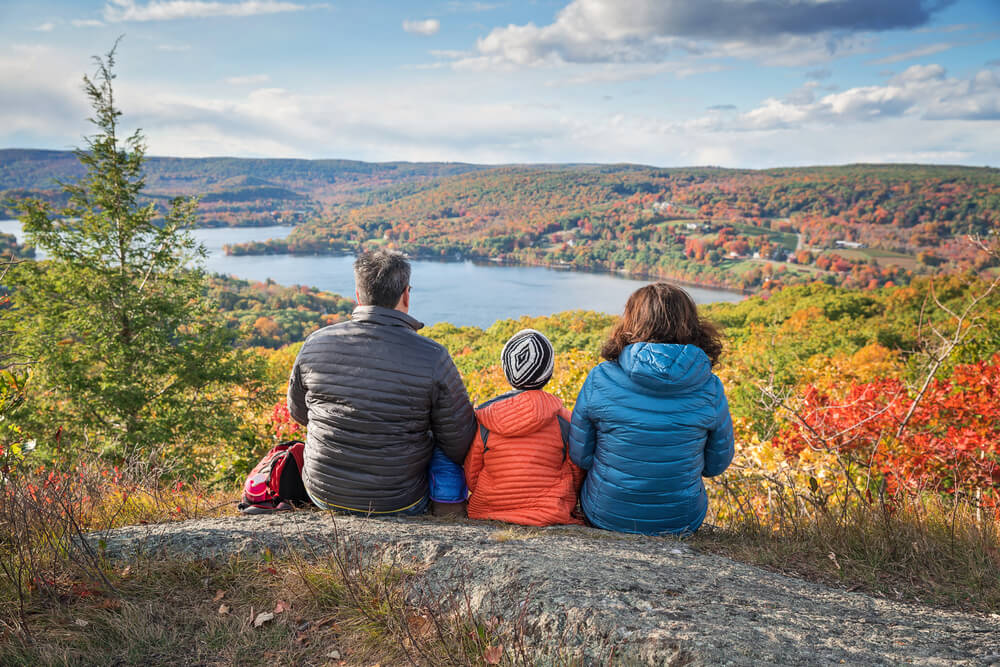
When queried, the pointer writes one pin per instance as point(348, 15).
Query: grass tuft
point(919, 547)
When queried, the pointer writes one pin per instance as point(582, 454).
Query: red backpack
point(275, 484)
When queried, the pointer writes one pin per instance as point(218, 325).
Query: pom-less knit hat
point(527, 359)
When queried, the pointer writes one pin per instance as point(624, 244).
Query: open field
point(881, 257)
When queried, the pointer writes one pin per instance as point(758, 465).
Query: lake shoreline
point(457, 288)
point(481, 260)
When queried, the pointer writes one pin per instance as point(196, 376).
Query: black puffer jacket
point(377, 397)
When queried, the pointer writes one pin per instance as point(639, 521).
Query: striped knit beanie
point(527, 359)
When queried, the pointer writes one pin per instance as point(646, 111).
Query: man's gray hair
point(381, 277)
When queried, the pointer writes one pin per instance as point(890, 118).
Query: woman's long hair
point(662, 313)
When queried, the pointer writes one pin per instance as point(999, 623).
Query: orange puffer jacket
point(522, 473)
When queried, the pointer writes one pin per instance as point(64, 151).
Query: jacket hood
point(665, 367)
point(519, 413)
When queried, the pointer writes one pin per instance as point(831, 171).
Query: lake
point(463, 293)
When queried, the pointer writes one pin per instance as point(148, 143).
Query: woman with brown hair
point(652, 420)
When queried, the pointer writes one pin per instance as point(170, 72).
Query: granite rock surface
point(607, 597)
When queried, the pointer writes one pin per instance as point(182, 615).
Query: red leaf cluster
point(283, 426)
point(951, 442)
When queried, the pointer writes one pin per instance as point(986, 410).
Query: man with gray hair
point(377, 397)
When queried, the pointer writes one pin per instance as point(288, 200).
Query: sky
point(732, 83)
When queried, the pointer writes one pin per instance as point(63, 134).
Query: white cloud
point(39, 96)
point(928, 156)
point(919, 52)
point(166, 10)
point(173, 48)
point(425, 27)
point(788, 32)
point(248, 80)
point(958, 27)
point(615, 73)
point(921, 115)
point(456, 6)
point(925, 123)
point(86, 23)
point(406, 123)
point(48, 26)
point(446, 53)
point(921, 91)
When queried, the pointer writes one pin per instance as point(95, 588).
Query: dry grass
point(62, 602)
point(919, 548)
point(510, 533)
point(45, 513)
point(162, 612)
point(336, 606)
point(203, 612)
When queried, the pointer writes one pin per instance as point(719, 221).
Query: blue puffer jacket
point(647, 428)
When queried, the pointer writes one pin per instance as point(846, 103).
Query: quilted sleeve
point(583, 431)
point(453, 420)
point(720, 447)
point(474, 463)
point(577, 473)
point(297, 394)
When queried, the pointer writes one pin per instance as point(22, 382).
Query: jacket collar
point(388, 316)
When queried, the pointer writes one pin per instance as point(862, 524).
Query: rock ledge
point(652, 600)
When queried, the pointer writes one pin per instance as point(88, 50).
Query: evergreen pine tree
point(128, 357)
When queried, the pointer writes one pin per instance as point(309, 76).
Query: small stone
point(334, 654)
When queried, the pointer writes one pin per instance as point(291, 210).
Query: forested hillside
point(233, 191)
point(858, 226)
point(272, 315)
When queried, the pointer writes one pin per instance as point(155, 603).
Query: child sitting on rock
point(518, 469)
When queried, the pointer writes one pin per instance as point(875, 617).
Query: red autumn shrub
point(283, 426)
point(951, 442)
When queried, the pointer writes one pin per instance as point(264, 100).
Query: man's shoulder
point(421, 345)
point(329, 330)
point(429, 346)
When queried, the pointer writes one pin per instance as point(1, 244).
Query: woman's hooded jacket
point(647, 428)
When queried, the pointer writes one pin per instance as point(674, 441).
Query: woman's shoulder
point(605, 370)
point(715, 382)
point(605, 377)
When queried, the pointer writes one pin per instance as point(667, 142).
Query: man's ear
point(357, 299)
point(404, 301)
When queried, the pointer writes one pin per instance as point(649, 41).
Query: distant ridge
point(36, 170)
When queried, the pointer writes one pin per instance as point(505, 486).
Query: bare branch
point(959, 335)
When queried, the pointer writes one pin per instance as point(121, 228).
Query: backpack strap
point(564, 429)
point(484, 433)
point(501, 397)
point(297, 449)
